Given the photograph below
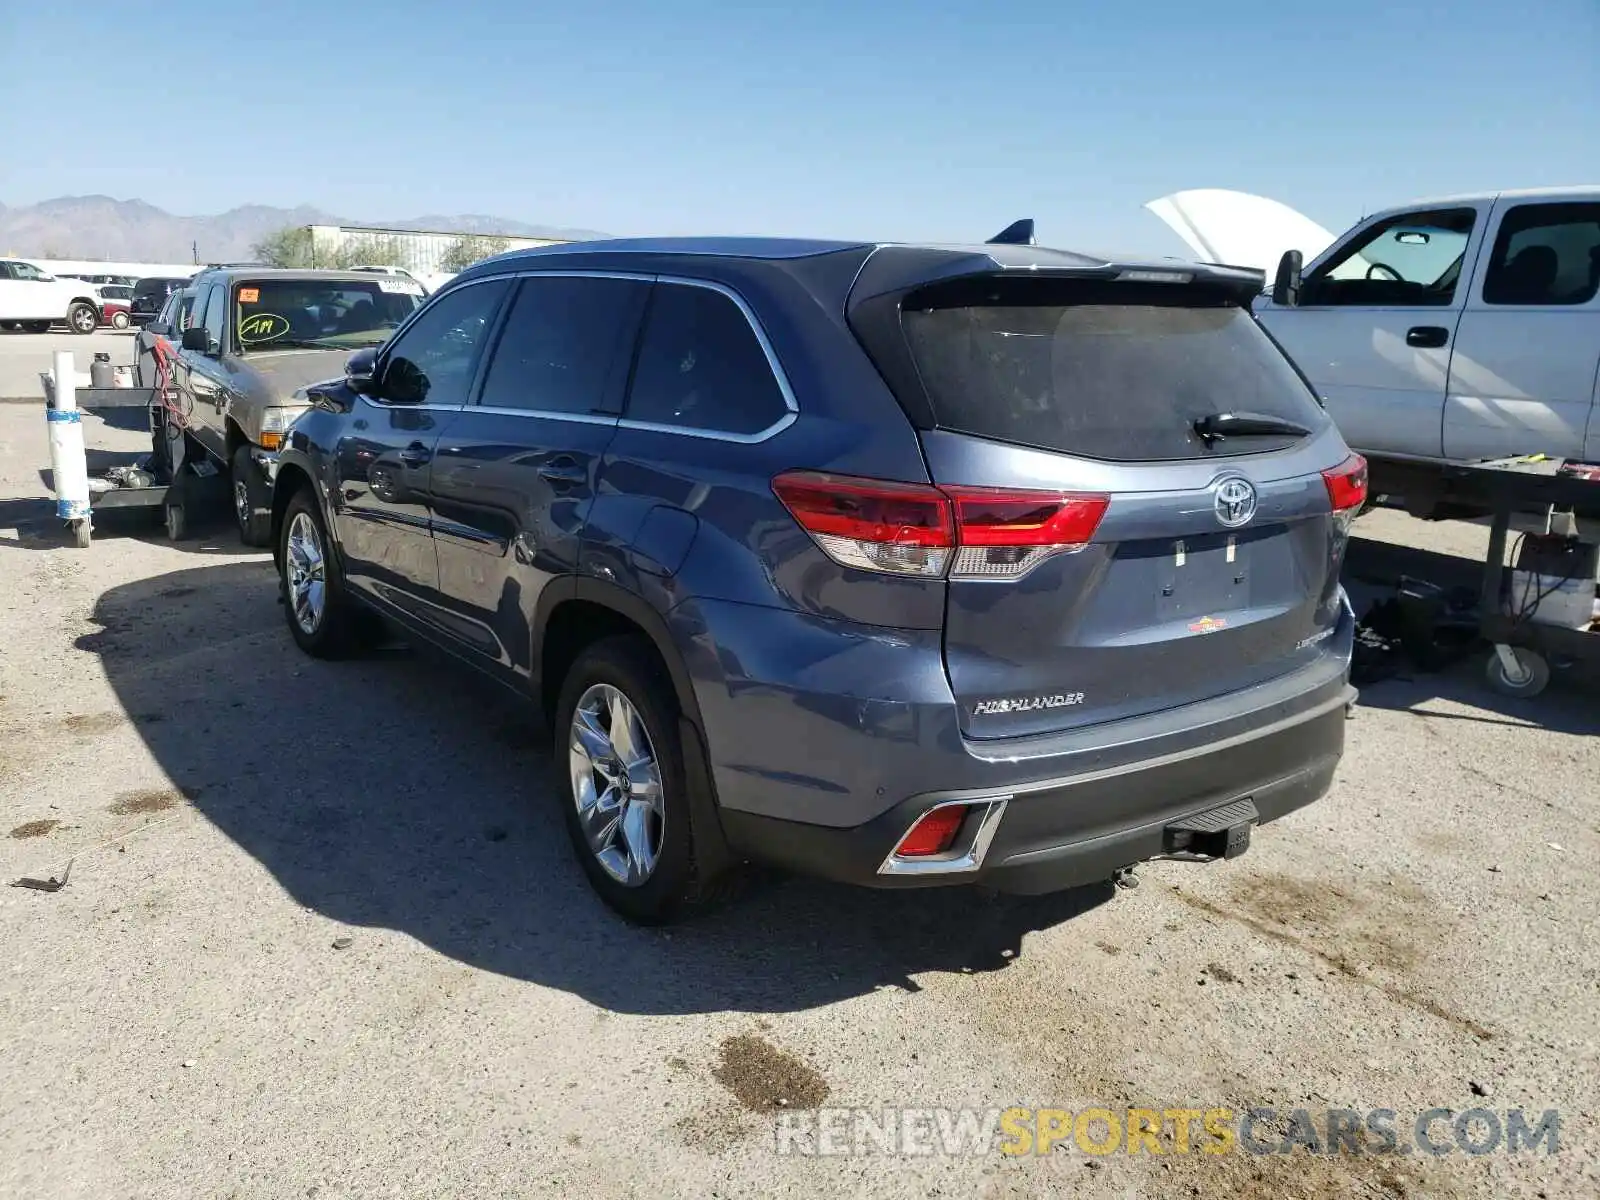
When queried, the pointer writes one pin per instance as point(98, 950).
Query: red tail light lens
point(933, 833)
point(916, 529)
point(900, 528)
point(1002, 517)
point(1347, 483)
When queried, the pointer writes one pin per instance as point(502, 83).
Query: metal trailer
point(162, 481)
point(1568, 494)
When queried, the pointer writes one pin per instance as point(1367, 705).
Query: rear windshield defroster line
point(1110, 371)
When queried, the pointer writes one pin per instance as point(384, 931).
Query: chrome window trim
point(791, 405)
point(773, 365)
point(546, 414)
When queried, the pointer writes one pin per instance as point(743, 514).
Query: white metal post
point(68, 465)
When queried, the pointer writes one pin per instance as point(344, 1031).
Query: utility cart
point(161, 481)
point(1539, 614)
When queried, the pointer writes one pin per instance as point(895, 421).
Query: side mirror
point(1286, 284)
point(359, 369)
point(197, 339)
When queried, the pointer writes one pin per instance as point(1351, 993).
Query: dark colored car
point(150, 296)
point(900, 565)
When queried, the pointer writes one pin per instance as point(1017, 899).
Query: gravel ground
point(322, 937)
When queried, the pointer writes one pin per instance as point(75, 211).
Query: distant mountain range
point(86, 227)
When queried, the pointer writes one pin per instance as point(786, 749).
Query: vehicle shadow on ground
point(1564, 708)
point(1372, 569)
point(405, 793)
point(211, 527)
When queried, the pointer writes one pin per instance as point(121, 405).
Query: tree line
point(294, 247)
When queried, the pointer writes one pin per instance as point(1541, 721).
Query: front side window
point(320, 314)
point(701, 366)
point(1545, 254)
point(212, 316)
point(1410, 261)
point(433, 360)
point(564, 342)
point(28, 271)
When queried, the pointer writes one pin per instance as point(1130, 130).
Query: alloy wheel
point(616, 785)
point(305, 566)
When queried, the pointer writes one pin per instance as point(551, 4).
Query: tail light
point(933, 833)
point(1347, 489)
point(918, 529)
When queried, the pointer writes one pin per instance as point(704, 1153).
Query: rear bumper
point(1079, 828)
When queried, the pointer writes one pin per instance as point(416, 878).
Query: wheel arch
point(583, 610)
point(292, 476)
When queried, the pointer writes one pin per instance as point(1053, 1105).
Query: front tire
point(319, 609)
point(623, 788)
point(119, 320)
point(82, 318)
point(252, 499)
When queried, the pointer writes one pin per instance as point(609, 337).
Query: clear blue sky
point(873, 118)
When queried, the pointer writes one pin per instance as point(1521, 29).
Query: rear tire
point(36, 326)
point(119, 320)
point(252, 499)
point(82, 318)
point(323, 621)
point(672, 888)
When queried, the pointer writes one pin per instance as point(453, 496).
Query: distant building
point(420, 251)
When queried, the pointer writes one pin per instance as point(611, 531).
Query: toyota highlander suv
point(900, 565)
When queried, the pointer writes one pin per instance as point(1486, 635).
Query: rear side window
point(701, 367)
point(562, 345)
point(1545, 254)
point(1117, 372)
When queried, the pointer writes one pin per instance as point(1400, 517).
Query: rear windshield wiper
point(1216, 426)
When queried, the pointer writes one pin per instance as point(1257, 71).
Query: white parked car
point(1456, 329)
point(34, 300)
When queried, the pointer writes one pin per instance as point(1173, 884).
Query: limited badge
point(1208, 625)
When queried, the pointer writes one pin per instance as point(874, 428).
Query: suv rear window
point(1107, 371)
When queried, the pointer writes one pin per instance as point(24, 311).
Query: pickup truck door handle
point(415, 454)
point(1427, 337)
point(564, 470)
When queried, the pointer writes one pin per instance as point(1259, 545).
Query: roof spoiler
point(1018, 233)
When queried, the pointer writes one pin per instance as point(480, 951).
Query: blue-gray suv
point(896, 564)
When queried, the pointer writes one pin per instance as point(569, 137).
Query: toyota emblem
point(1235, 502)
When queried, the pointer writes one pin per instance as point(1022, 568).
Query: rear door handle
point(1427, 337)
point(415, 454)
point(563, 470)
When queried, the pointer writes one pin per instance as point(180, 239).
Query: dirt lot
point(322, 937)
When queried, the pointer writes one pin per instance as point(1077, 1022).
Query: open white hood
point(1240, 229)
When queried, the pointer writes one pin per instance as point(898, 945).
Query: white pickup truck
point(1455, 329)
point(33, 300)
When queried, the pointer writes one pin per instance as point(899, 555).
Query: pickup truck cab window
point(1545, 254)
point(213, 318)
point(1410, 260)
